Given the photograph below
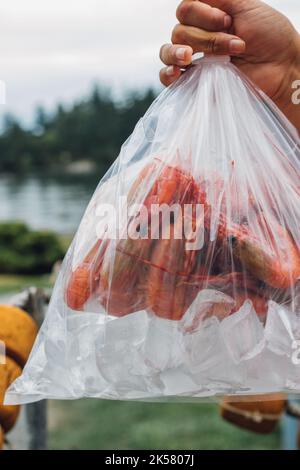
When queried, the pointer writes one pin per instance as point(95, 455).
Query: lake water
point(46, 203)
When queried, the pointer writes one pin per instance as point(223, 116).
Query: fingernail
point(180, 53)
point(237, 46)
point(170, 71)
point(227, 21)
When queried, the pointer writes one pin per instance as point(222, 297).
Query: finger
point(208, 42)
point(176, 55)
point(232, 7)
point(203, 16)
point(169, 75)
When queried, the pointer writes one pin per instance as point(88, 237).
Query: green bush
point(23, 251)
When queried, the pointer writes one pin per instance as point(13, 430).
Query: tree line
point(91, 129)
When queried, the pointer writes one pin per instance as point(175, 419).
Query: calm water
point(46, 203)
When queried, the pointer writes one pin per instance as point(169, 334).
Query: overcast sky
point(53, 51)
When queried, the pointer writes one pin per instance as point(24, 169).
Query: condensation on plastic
point(148, 318)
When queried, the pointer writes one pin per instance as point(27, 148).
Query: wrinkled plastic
point(194, 302)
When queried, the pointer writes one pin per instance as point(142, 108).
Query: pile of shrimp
point(245, 254)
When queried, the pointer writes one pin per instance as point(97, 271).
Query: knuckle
point(179, 34)
point(211, 45)
point(184, 10)
point(216, 19)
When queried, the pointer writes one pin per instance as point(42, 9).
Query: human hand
point(262, 42)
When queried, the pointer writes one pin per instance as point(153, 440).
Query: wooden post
point(34, 301)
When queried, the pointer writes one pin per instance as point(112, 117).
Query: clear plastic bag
point(183, 278)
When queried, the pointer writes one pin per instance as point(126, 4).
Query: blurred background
point(78, 76)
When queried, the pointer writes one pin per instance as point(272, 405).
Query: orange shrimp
point(272, 257)
point(277, 264)
point(122, 276)
point(125, 275)
point(168, 288)
point(172, 185)
point(83, 281)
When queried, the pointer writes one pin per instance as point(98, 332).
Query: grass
point(98, 424)
point(15, 283)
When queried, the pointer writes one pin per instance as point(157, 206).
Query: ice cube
point(243, 333)
point(127, 373)
point(80, 321)
point(293, 380)
point(267, 372)
point(178, 381)
point(84, 330)
point(226, 377)
point(48, 368)
point(163, 348)
point(53, 335)
point(128, 330)
point(204, 347)
point(208, 303)
point(120, 357)
point(282, 331)
point(85, 366)
point(50, 375)
point(119, 343)
point(208, 360)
